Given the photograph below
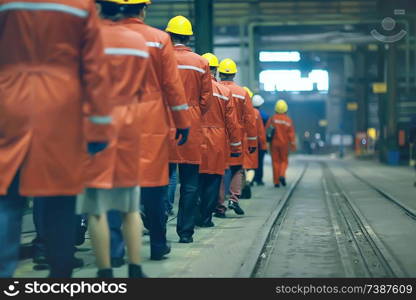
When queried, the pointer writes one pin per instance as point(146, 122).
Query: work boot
point(236, 207)
point(282, 180)
point(160, 255)
point(135, 271)
point(220, 215)
point(277, 185)
point(246, 192)
point(105, 273)
point(117, 262)
point(186, 239)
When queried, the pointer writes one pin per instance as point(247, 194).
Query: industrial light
point(291, 80)
point(279, 56)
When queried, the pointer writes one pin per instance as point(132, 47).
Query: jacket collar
point(227, 82)
point(132, 21)
point(182, 47)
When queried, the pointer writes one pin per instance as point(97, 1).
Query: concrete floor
point(307, 247)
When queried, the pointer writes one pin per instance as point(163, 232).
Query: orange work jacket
point(196, 77)
point(162, 92)
point(245, 118)
point(222, 134)
point(51, 63)
point(284, 135)
point(127, 57)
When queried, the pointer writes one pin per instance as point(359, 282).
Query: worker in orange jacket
point(195, 74)
point(221, 136)
point(162, 94)
point(251, 160)
point(282, 134)
point(112, 177)
point(49, 71)
point(247, 125)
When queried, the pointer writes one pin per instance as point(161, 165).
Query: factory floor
point(332, 220)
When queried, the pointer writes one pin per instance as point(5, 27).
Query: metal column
point(361, 85)
point(203, 29)
point(391, 103)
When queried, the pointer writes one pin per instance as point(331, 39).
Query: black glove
point(252, 149)
point(95, 147)
point(184, 133)
point(235, 154)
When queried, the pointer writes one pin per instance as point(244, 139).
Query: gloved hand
point(252, 149)
point(95, 147)
point(184, 132)
point(238, 154)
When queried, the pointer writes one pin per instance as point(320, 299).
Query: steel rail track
point(374, 256)
point(408, 211)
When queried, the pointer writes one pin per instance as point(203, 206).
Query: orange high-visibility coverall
point(162, 91)
point(221, 131)
point(251, 160)
point(127, 58)
point(283, 141)
point(43, 87)
point(195, 74)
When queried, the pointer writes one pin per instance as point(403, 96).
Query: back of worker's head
point(212, 61)
point(227, 69)
point(257, 101)
point(133, 8)
point(281, 107)
point(109, 9)
point(180, 30)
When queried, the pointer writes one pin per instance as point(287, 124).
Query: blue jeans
point(11, 213)
point(117, 246)
point(173, 180)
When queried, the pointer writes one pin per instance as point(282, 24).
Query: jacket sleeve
point(250, 122)
point(292, 136)
point(206, 91)
point(261, 132)
point(95, 82)
point(233, 132)
point(172, 86)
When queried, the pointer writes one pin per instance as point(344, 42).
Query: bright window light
point(268, 56)
point(291, 80)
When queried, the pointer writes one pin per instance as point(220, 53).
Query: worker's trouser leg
point(188, 178)
point(59, 221)
point(170, 196)
point(117, 245)
point(258, 178)
point(11, 212)
point(209, 186)
point(284, 161)
point(224, 190)
point(155, 211)
point(39, 243)
point(276, 164)
point(236, 182)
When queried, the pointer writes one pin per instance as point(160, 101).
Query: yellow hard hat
point(250, 93)
point(227, 66)
point(132, 1)
point(179, 25)
point(281, 107)
point(212, 59)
